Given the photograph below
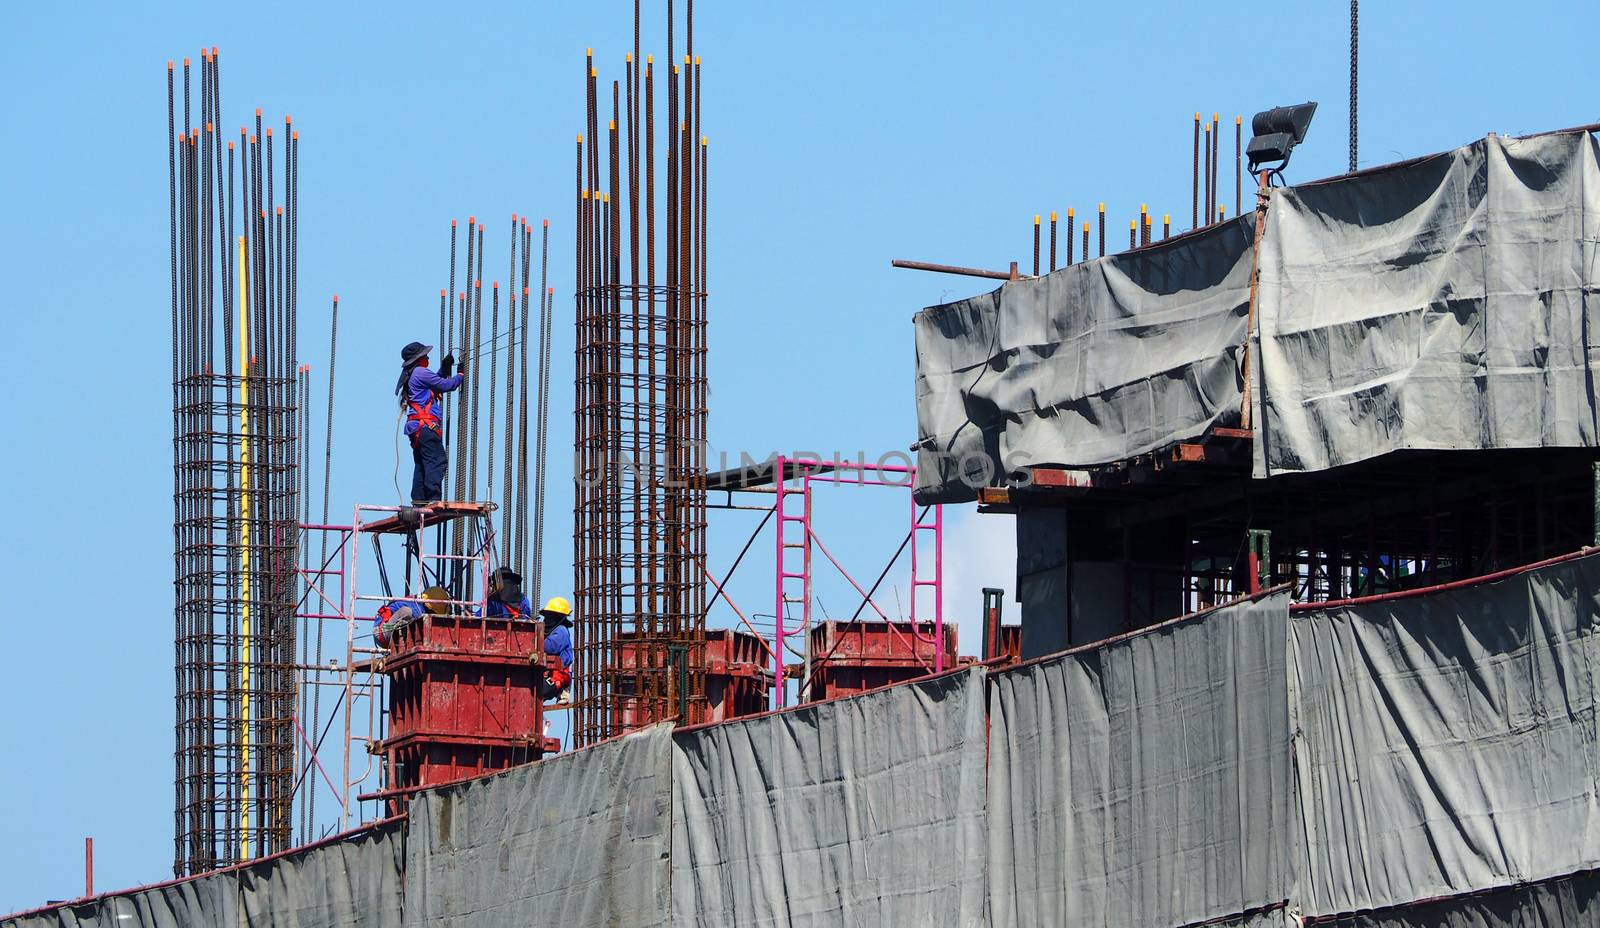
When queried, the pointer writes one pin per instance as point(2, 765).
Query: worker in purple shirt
point(420, 390)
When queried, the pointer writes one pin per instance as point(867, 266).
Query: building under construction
point(1307, 504)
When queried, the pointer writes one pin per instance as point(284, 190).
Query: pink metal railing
point(793, 574)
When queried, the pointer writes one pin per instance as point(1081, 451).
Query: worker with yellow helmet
point(397, 613)
point(557, 615)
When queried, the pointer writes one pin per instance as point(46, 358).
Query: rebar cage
point(237, 548)
point(639, 511)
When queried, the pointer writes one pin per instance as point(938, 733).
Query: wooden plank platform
point(410, 519)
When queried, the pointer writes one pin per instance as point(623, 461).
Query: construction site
point(1301, 628)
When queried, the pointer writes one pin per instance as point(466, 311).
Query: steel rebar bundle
point(640, 404)
point(495, 409)
point(238, 390)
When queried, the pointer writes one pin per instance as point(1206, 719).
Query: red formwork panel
point(1010, 643)
point(738, 679)
point(463, 698)
point(852, 657)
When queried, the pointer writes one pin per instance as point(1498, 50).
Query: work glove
point(448, 365)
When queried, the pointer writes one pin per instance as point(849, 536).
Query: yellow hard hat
point(433, 600)
point(557, 605)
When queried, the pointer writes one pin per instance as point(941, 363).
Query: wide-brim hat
point(413, 351)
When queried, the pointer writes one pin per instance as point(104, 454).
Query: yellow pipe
point(244, 558)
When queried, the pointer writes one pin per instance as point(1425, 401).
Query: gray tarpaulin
point(1443, 304)
point(209, 901)
point(1145, 782)
point(1565, 902)
point(1448, 741)
point(863, 811)
point(355, 882)
point(1096, 362)
point(580, 840)
point(351, 882)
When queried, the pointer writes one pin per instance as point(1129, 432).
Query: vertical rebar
point(1354, 60)
point(1216, 165)
point(490, 397)
point(1238, 165)
point(1052, 241)
point(1194, 221)
point(1036, 244)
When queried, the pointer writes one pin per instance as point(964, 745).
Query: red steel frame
point(791, 577)
point(448, 661)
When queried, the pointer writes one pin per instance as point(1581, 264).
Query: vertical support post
point(1260, 544)
point(88, 867)
point(777, 606)
point(993, 602)
point(1255, 278)
point(1596, 495)
point(678, 657)
point(244, 557)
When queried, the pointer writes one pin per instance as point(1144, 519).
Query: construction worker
point(395, 613)
point(505, 598)
point(419, 390)
point(557, 615)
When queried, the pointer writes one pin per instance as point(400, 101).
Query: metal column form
point(463, 700)
point(853, 657)
point(738, 680)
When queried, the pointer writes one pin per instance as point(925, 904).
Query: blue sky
point(841, 135)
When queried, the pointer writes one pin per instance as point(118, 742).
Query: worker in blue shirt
point(505, 598)
point(420, 390)
point(557, 615)
point(398, 612)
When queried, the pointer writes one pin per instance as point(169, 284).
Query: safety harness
point(422, 413)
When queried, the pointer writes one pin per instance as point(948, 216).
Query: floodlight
point(1275, 134)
